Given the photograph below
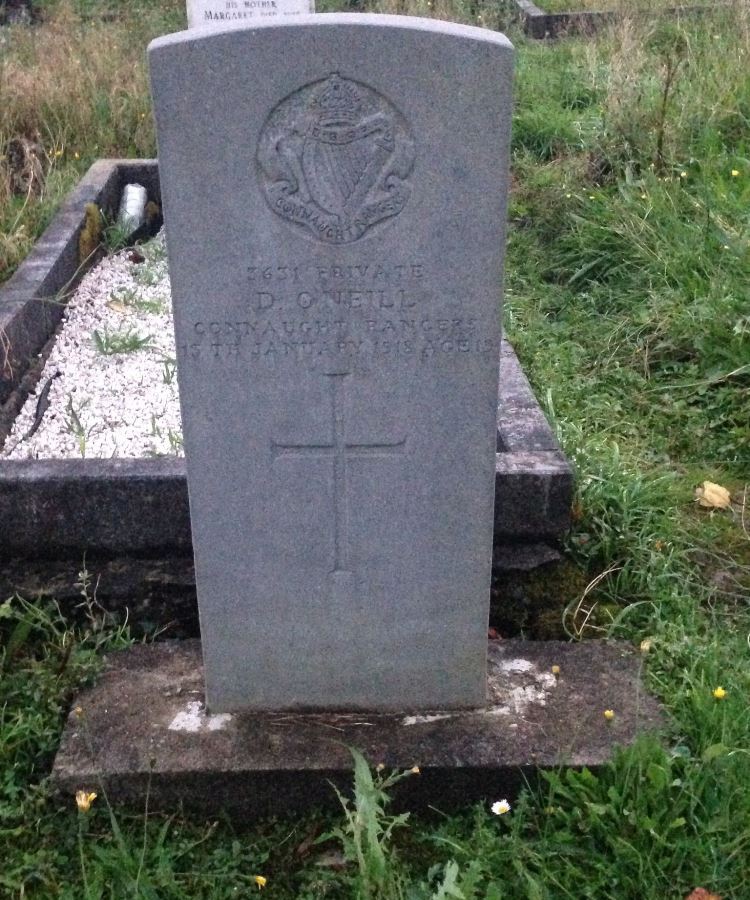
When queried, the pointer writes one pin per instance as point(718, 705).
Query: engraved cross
point(340, 451)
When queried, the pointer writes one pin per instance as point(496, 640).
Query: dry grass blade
point(570, 619)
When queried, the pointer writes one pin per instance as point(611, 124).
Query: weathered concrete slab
point(144, 724)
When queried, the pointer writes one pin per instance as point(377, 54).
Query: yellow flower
point(555, 670)
point(683, 174)
point(500, 807)
point(77, 155)
point(646, 645)
point(58, 153)
point(568, 196)
point(78, 712)
point(379, 767)
point(260, 881)
point(414, 770)
point(644, 196)
point(84, 800)
point(735, 173)
point(719, 693)
point(609, 714)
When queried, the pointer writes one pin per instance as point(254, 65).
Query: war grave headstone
point(343, 325)
point(334, 191)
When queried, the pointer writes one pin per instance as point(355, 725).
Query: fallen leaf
point(136, 257)
point(493, 634)
point(702, 894)
point(117, 306)
point(713, 496)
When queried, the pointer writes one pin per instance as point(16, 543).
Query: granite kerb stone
point(110, 506)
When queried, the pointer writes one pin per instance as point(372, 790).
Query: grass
point(624, 7)
point(75, 89)
point(628, 268)
point(110, 343)
point(74, 424)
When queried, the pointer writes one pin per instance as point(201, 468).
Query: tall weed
point(75, 86)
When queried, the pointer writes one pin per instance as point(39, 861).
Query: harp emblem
point(334, 158)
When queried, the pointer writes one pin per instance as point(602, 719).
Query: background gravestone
point(240, 13)
point(334, 193)
point(16, 12)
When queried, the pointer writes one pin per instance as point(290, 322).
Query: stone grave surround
point(334, 191)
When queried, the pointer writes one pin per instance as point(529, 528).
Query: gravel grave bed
point(109, 386)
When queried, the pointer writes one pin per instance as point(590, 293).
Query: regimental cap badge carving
point(334, 159)
point(338, 102)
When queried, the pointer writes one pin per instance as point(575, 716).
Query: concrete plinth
point(144, 726)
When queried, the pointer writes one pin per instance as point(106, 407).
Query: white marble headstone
point(240, 13)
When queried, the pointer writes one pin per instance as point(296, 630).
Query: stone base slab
point(144, 727)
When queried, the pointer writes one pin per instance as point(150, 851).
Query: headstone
point(16, 12)
point(334, 191)
point(241, 13)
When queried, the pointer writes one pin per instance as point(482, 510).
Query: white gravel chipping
point(115, 390)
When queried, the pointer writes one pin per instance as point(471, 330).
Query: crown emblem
point(338, 102)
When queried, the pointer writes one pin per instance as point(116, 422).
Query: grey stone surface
point(144, 727)
point(58, 507)
point(521, 424)
point(533, 494)
point(155, 594)
point(335, 232)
